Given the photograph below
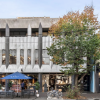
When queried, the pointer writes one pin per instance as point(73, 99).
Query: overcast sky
point(41, 8)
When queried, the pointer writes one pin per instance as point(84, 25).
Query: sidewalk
point(43, 96)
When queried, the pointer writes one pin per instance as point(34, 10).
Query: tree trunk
point(76, 80)
point(76, 85)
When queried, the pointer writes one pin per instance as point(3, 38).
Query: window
point(3, 57)
point(29, 56)
point(2, 33)
point(21, 56)
point(12, 57)
point(45, 57)
point(18, 34)
point(45, 34)
point(35, 34)
point(36, 57)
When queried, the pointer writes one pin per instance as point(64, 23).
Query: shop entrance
point(52, 81)
point(86, 82)
point(55, 81)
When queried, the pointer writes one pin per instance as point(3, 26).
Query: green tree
point(75, 42)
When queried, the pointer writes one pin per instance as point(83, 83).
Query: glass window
point(2, 33)
point(18, 33)
point(29, 56)
point(45, 57)
point(36, 57)
point(12, 57)
point(3, 57)
point(44, 34)
point(21, 56)
point(35, 34)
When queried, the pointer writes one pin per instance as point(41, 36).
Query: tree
point(75, 42)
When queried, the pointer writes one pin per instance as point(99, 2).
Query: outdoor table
point(6, 93)
point(24, 93)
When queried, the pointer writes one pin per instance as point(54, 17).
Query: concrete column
point(51, 62)
point(7, 34)
point(40, 45)
point(0, 57)
point(50, 43)
point(40, 81)
point(32, 57)
point(29, 37)
point(25, 57)
point(29, 31)
point(18, 58)
point(7, 45)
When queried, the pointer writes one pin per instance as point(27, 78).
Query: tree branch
point(82, 77)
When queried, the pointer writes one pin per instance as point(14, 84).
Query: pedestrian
point(22, 85)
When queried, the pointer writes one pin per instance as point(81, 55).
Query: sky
point(47, 8)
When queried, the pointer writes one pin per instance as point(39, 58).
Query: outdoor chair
point(32, 90)
point(2, 94)
point(10, 93)
point(25, 93)
point(7, 94)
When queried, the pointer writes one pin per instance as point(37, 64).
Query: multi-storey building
point(23, 43)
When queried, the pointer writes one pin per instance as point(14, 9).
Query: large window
point(3, 57)
point(12, 56)
point(35, 34)
point(36, 57)
point(2, 33)
point(45, 57)
point(29, 56)
point(21, 56)
point(18, 34)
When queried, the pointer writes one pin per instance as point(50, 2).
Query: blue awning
point(16, 75)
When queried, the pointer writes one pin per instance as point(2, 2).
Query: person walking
point(22, 85)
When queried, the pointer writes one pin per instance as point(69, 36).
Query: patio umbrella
point(17, 76)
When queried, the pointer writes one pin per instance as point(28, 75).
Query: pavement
point(43, 96)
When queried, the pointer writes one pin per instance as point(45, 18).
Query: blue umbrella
point(16, 75)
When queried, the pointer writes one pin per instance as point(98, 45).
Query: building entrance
point(55, 81)
point(52, 81)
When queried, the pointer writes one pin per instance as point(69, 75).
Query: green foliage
point(10, 84)
point(76, 42)
point(37, 85)
point(0, 86)
point(72, 93)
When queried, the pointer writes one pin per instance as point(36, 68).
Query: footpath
point(43, 96)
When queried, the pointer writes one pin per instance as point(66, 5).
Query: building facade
point(23, 43)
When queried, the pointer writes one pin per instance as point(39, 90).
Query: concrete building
point(23, 43)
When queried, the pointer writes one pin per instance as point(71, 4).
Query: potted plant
point(37, 86)
point(10, 84)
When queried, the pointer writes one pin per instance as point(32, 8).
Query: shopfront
point(55, 81)
point(28, 83)
point(2, 82)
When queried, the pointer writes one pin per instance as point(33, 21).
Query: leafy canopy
point(75, 41)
